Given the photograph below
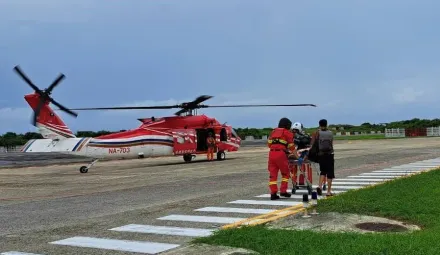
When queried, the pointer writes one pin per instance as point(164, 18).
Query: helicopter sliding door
point(202, 136)
point(184, 141)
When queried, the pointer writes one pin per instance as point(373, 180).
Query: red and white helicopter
point(182, 135)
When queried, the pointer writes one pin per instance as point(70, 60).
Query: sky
point(358, 61)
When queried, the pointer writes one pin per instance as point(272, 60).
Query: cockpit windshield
point(234, 134)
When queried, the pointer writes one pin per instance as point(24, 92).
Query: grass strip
point(414, 200)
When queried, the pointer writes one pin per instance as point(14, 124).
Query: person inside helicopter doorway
point(210, 141)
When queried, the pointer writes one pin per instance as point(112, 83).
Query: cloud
point(15, 120)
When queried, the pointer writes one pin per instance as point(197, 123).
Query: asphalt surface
point(43, 204)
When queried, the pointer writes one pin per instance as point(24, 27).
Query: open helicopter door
point(184, 141)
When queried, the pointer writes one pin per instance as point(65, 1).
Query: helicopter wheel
point(187, 157)
point(83, 170)
point(221, 155)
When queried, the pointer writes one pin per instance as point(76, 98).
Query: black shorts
point(327, 165)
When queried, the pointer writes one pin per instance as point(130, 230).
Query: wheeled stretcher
point(301, 170)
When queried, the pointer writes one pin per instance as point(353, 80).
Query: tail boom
point(49, 123)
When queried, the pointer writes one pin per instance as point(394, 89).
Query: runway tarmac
point(40, 205)
point(19, 159)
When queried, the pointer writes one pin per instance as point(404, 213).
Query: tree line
point(11, 139)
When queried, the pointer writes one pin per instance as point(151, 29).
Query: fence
point(412, 132)
point(433, 131)
point(394, 132)
point(10, 149)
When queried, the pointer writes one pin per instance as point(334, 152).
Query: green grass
point(415, 200)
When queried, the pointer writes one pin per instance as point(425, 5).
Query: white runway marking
point(234, 210)
point(427, 165)
point(397, 171)
point(195, 218)
point(373, 176)
point(164, 230)
point(389, 174)
point(117, 245)
point(17, 253)
point(409, 167)
point(353, 183)
point(294, 196)
point(345, 187)
point(361, 180)
point(265, 202)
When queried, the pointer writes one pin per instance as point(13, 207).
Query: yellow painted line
point(272, 216)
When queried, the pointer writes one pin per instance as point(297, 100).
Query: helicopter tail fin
point(50, 125)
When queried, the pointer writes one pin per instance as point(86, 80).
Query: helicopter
point(182, 135)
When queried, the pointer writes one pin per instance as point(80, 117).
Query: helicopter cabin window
point(234, 134)
point(223, 135)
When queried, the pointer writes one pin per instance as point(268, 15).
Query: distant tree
point(10, 139)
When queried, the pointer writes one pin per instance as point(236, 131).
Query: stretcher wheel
point(293, 189)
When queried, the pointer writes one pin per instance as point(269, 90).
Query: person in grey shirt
point(326, 155)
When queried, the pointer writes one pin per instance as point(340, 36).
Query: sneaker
point(285, 194)
point(274, 197)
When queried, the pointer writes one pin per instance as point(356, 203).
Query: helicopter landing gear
point(188, 157)
point(85, 169)
point(221, 155)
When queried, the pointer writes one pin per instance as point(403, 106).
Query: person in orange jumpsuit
point(210, 141)
point(280, 143)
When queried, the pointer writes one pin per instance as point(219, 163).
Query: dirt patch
point(336, 222)
point(380, 227)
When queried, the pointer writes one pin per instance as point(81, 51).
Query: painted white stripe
point(425, 164)
point(164, 230)
point(234, 210)
point(264, 202)
point(302, 190)
point(346, 187)
point(398, 171)
point(362, 180)
point(117, 245)
point(353, 183)
point(292, 197)
point(195, 218)
point(17, 253)
point(409, 167)
point(436, 160)
point(401, 169)
point(373, 176)
point(388, 174)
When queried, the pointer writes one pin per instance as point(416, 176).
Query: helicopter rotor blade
point(18, 70)
point(44, 95)
point(63, 108)
point(55, 83)
point(126, 108)
point(256, 105)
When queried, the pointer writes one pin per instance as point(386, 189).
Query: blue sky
point(359, 61)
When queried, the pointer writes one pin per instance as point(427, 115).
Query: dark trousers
point(327, 165)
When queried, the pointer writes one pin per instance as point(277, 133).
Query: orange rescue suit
point(211, 144)
point(280, 143)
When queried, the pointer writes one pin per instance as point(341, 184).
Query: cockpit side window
point(234, 134)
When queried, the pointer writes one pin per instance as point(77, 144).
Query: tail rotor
point(44, 95)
